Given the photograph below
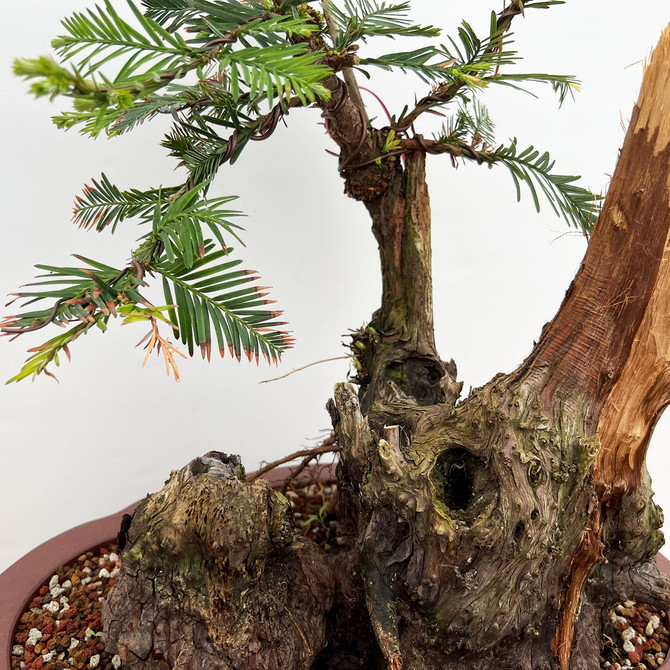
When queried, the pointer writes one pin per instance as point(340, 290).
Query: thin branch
point(30, 329)
point(444, 94)
point(327, 447)
point(304, 367)
point(295, 473)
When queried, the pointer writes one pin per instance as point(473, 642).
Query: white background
point(111, 431)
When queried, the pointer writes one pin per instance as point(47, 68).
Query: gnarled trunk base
point(214, 577)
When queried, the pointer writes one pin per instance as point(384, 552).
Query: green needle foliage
point(359, 20)
point(469, 135)
point(226, 72)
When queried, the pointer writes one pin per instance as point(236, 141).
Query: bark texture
point(215, 577)
point(487, 533)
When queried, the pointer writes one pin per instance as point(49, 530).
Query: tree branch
point(347, 73)
point(327, 447)
point(444, 93)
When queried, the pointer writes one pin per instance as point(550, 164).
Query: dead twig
point(327, 446)
point(304, 367)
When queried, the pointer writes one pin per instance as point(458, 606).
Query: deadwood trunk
point(488, 533)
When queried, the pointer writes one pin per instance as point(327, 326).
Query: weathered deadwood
point(215, 577)
point(480, 532)
point(611, 339)
point(467, 529)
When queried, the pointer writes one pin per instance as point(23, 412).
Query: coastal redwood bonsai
point(493, 531)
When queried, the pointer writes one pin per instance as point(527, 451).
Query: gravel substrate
point(62, 627)
point(636, 637)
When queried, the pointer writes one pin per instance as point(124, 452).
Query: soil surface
point(636, 637)
point(61, 629)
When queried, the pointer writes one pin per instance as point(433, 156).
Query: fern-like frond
point(563, 85)
point(469, 134)
point(172, 14)
point(277, 71)
point(47, 353)
point(466, 64)
point(472, 125)
point(103, 204)
point(216, 300)
point(200, 150)
point(578, 206)
point(180, 226)
point(177, 220)
point(101, 35)
point(85, 296)
point(417, 61)
point(360, 19)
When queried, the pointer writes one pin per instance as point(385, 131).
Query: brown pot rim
point(20, 581)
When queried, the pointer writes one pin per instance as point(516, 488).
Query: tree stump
point(215, 577)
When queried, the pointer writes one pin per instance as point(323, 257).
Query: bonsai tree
point(485, 531)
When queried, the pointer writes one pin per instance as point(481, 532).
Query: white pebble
point(653, 624)
point(74, 642)
point(104, 573)
point(57, 591)
point(86, 580)
point(114, 572)
point(22, 665)
point(86, 569)
point(94, 661)
point(17, 650)
point(34, 636)
point(53, 582)
point(628, 635)
point(67, 584)
point(113, 558)
point(52, 607)
point(629, 603)
point(47, 657)
point(116, 661)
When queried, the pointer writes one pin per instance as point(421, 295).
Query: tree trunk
point(492, 533)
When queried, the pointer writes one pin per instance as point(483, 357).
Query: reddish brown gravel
point(61, 628)
point(636, 637)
